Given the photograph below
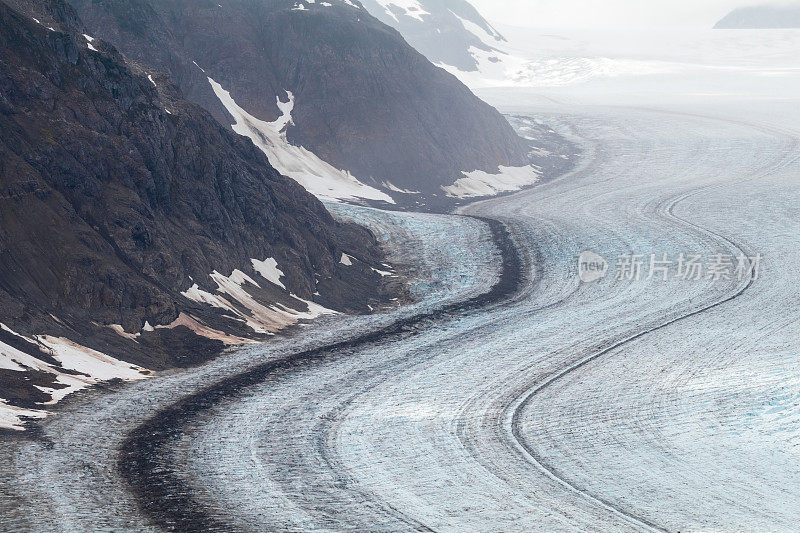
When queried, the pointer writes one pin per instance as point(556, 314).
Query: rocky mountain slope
point(764, 16)
point(453, 35)
point(448, 32)
point(134, 227)
point(324, 76)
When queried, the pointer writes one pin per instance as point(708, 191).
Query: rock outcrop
point(133, 224)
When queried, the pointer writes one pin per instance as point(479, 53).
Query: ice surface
point(621, 405)
point(555, 58)
point(81, 460)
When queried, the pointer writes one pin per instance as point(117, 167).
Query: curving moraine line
point(522, 403)
point(164, 496)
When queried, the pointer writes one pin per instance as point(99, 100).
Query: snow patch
point(475, 29)
point(346, 260)
point(392, 187)
point(409, 8)
point(268, 269)
point(203, 330)
point(196, 294)
point(119, 330)
point(262, 319)
point(89, 367)
point(315, 175)
point(98, 366)
point(479, 183)
point(90, 40)
point(11, 417)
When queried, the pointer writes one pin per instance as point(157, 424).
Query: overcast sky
point(608, 13)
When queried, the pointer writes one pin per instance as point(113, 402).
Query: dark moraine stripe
point(167, 500)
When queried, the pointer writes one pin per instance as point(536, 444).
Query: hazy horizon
point(611, 13)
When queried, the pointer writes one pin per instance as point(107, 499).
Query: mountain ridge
point(365, 101)
point(136, 232)
point(445, 31)
point(765, 16)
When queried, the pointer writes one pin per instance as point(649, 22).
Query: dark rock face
point(117, 195)
point(762, 17)
point(439, 29)
point(365, 100)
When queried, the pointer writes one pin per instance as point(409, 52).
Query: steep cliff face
point(363, 100)
point(762, 17)
point(133, 223)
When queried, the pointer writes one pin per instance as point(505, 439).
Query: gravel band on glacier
point(617, 405)
point(74, 456)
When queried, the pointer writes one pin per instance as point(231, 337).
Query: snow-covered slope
point(134, 226)
point(450, 32)
point(315, 175)
point(370, 118)
point(455, 37)
point(57, 366)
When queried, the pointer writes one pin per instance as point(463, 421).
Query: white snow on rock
point(262, 319)
point(13, 359)
point(11, 417)
point(89, 40)
point(268, 269)
point(315, 175)
point(479, 183)
point(191, 322)
point(89, 367)
point(203, 330)
point(96, 365)
point(314, 310)
point(347, 260)
point(394, 188)
point(496, 68)
point(119, 330)
point(486, 37)
point(196, 294)
point(410, 8)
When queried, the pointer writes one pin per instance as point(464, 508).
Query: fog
point(610, 13)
